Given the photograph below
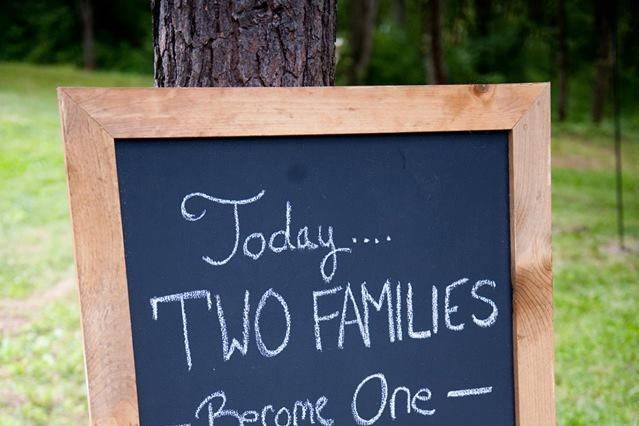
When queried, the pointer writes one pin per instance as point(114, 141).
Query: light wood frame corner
point(93, 119)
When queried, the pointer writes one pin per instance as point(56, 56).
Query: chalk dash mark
point(469, 392)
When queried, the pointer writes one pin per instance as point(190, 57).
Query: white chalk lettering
point(235, 344)
point(319, 406)
point(356, 309)
point(487, 322)
point(245, 246)
point(469, 392)
point(214, 405)
point(332, 254)
point(382, 400)
point(305, 243)
point(181, 297)
point(452, 309)
point(435, 310)
point(348, 297)
point(304, 407)
point(410, 315)
point(279, 413)
point(398, 311)
point(422, 395)
point(258, 335)
point(382, 307)
point(385, 296)
point(278, 242)
point(317, 318)
point(212, 415)
point(285, 233)
point(235, 203)
point(265, 410)
point(404, 389)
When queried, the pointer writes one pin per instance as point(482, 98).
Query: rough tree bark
point(88, 38)
point(432, 39)
point(562, 60)
point(244, 43)
point(362, 16)
point(603, 20)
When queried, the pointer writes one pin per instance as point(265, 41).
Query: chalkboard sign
point(293, 276)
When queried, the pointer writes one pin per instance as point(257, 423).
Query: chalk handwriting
point(398, 404)
point(255, 244)
point(391, 307)
point(181, 297)
point(469, 392)
point(302, 411)
point(367, 240)
point(487, 322)
point(230, 345)
point(399, 313)
point(422, 395)
point(354, 310)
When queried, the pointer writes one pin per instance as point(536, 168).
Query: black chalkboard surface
point(320, 280)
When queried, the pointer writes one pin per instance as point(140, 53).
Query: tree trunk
point(88, 38)
point(362, 27)
point(483, 20)
point(432, 38)
point(399, 12)
point(483, 16)
point(562, 61)
point(603, 17)
point(244, 43)
point(536, 11)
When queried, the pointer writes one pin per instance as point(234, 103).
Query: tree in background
point(562, 61)
point(399, 12)
point(483, 18)
point(362, 15)
point(432, 36)
point(88, 38)
point(604, 11)
point(114, 34)
point(481, 41)
point(249, 43)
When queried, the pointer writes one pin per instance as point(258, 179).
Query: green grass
point(41, 366)
point(34, 225)
point(596, 285)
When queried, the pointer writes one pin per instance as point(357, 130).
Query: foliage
point(595, 295)
point(483, 41)
point(50, 31)
point(512, 41)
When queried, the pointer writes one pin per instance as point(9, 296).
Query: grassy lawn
point(41, 365)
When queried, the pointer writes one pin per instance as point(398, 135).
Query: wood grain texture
point(210, 112)
point(93, 118)
point(99, 254)
point(532, 264)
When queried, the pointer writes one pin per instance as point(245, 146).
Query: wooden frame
point(93, 119)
